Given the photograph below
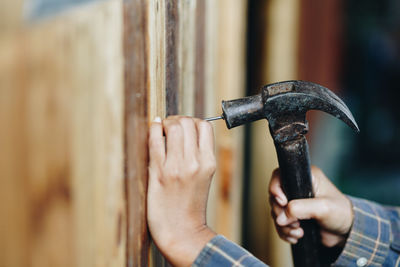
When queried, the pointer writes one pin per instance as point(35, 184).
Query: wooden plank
point(157, 65)
point(62, 177)
point(136, 129)
point(200, 59)
point(171, 59)
point(187, 55)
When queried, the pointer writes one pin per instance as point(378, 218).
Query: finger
point(292, 232)
point(190, 137)
point(283, 219)
point(276, 209)
point(292, 240)
point(206, 137)
point(310, 208)
point(275, 188)
point(174, 136)
point(156, 144)
point(285, 234)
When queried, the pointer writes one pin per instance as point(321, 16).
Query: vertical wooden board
point(172, 18)
point(229, 84)
point(200, 59)
point(187, 55)
point(136, 128)
point(157, 63)
point(64, 148)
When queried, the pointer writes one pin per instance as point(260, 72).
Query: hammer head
point(285, 105)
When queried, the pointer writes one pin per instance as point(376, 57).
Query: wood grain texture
point(171, 61)
point(157, 59)
point(136, 83)
point(187, 56)
point(200, 59)
point(62, 182)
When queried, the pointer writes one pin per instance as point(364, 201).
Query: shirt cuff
point(222, 252)
point(369, 238)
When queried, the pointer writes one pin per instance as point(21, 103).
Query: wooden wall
point(202, 47)
point(62, 151)
point(77, 92)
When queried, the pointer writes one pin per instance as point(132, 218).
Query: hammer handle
point(294, 163)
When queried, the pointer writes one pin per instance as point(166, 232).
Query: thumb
point(309, 208)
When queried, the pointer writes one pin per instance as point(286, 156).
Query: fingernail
point(281, 219)
point(296, 232)
point(291, 240)
point(157, 119)
point(280, 201)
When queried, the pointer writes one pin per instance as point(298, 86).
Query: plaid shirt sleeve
point(374, 239)
point(222, 252)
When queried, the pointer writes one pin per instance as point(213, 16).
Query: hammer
point(285, 105)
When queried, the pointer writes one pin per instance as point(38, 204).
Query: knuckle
point(172, 174)
point(210, 167)
point(174, 128)
point(292, 207)
point(192, 168)
point(186, 120)
point(324, 209)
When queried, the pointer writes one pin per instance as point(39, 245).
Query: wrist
point(182, 249)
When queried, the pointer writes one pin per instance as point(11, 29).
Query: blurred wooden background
point(78, 88)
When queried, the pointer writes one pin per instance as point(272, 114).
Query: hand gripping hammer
point(284, 105)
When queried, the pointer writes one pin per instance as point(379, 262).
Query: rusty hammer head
point(284, 105)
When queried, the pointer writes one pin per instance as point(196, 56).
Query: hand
point(330, 208)
point(180, 172)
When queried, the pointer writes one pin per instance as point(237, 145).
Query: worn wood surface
point(62, 181)
point(157, 59)
point(77, 92)
point(172, 19)
point(200, 59)
point(136, 129)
